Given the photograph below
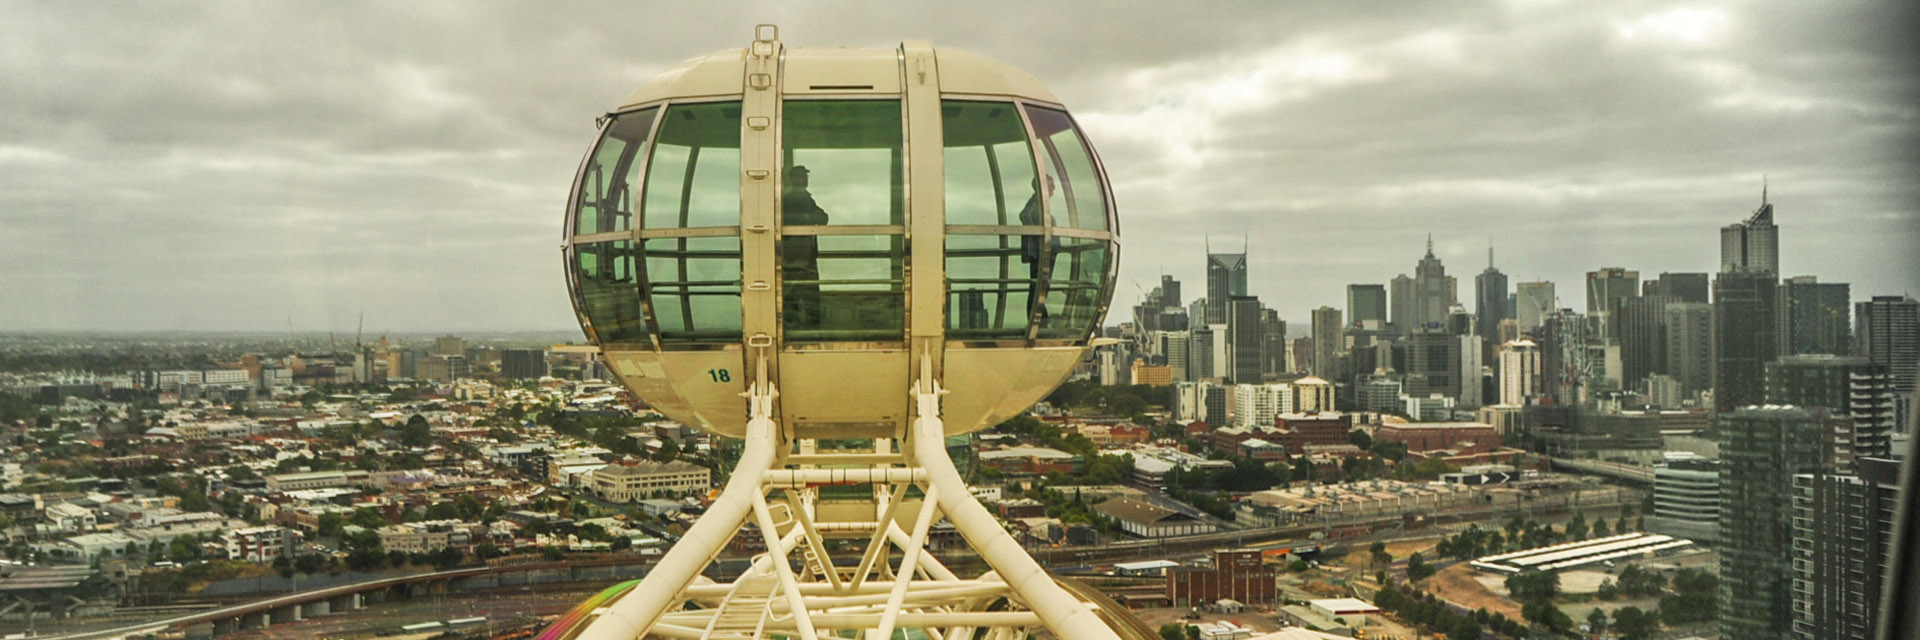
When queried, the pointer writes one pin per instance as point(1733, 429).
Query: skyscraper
point(1886, 330)
point(1226, 277)
point(1532, 302)
point(1564, 362)
point(1690, 342)
point(1367, 306)
point(1761, 450)
point(1754, 245)
point(1641, 324)
point(1434, 292)
point(1327, 332)
point(1490, 301)
point(1402, 303)
point(523, 364)
point(1743, 329)
point(1245, 340)
point(1273, 343)
point(1606, 289)
point(1814, 317)
point(1684, 287)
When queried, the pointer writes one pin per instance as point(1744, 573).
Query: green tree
point(1379, 553)
point(416, 432)
point(368, 518)
point(1577, 527)
point(1360, 439)
point(1464, 628)
point(1633, 624)
point(1173, 631)
point(1597, 620)
point(1537, 586)
point(1417, 567)
point(669, 450)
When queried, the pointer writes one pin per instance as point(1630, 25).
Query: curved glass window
point(990, 283)
point(1079, 199)
point(608, 291)
point(842, 166)
point(604, 197)
point(989, 164)
point(1075, 284)
point(693, 287)
point(693, 177)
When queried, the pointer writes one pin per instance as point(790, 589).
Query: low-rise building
point(1029, 460)
point(1236, 574)
point(261, 544)
point(1148, 520)
point(629, 480)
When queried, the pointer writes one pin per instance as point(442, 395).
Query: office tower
point(1519, 371)
point(1761, 450)
point(449, 346)
point(1490, 301)
point(1564, 361)
point(1532, 302)
point(1300, 353)
point(1379, 393)
point(1226, 277)
point(1441, 363)
point(1402, 303)
point(1273, 343)
point(1367, 306)
point(1245, 340)
point(1328, 338)
point(1848, 386)
point(1197, 313)
point(1606, 289)
point(1686, 499)
point(1752, 246)
point(1743, 329)
point(1684, 287)
point(1641, 324)
point(1215, 400)
point(1155, 311)
point(1459, 321)
point(1434, 292)
point(523, 364)
point(1200, 350)
point(1842, 532)
point(1174, 345)
point(1814, 317)
point(1471, 371)
point(1690, 342)
point(1887, 331)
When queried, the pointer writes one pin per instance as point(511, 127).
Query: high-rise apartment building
point(1814, 317)
point(523, 364)
point(1200, 352)
point(1752, 246)
point(1532, 303)
point(1744, 316)
point(1174, 347)
point(1367, 306)
point(1519, 371)
point(1842, 532)
point(449, 346)
point(1847, 386)
point(1328, 339)
point(1226, 278)
point(1761, 450)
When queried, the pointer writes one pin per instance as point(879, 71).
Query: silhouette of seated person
point(800, 255)
point(1030, 215)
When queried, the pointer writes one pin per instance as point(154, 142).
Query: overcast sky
point(226, 166)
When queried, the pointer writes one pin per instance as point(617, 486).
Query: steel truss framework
point(870, 600)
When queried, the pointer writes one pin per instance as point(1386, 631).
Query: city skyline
point(305, 164)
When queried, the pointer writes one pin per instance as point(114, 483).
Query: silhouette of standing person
point(1030, 252)
point(800, 255)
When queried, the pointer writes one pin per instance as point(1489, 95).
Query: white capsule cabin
point(855, 214)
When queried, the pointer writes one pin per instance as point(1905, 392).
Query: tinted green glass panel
point(605, 196)
point(609, 291)
point(1070, 158)
point(989, 284)
point(694, 288)
point(855, 292)
point(852, 154)
point(1077, 278)
point(989, 164)
point(693, 178)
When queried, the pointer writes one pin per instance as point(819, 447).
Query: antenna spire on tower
point(1489, 253)
point(1763, 189)
point(1429, 244)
